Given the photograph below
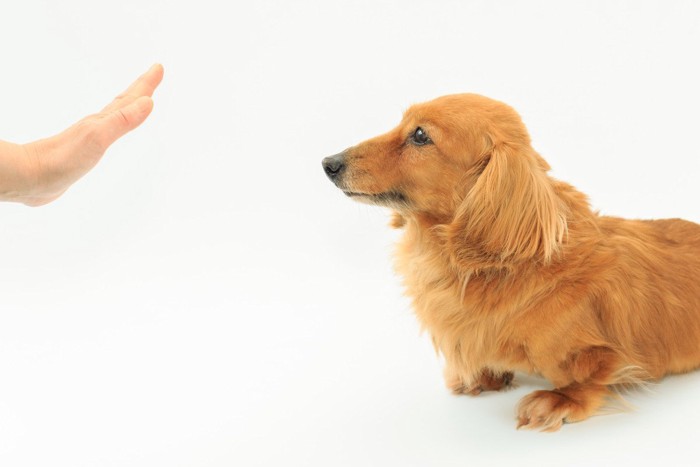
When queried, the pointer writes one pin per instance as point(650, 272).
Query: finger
point(121, 121)
point(144, 85)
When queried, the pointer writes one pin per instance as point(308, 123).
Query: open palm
point(54, 164)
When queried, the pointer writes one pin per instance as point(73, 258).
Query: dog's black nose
point(334, 165)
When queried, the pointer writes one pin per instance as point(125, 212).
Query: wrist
point(16, 171)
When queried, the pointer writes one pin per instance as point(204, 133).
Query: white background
point(205, 297)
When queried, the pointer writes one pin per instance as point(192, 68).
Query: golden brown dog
point(509, 269)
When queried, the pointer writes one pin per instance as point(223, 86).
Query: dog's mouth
point(386, 198)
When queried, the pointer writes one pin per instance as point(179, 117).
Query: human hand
point(39, 172)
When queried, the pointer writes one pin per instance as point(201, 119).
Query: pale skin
point(37, 173)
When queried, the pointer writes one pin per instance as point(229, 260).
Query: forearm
point(16, 168)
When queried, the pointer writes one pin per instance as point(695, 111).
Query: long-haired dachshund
point(510, 270)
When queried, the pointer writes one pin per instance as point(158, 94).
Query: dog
point(510, 270)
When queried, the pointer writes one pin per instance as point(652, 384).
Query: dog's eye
point(420, 137)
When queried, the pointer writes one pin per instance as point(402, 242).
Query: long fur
point(511, 270)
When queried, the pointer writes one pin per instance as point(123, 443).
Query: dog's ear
point(511, 213)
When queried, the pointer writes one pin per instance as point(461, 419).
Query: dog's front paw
point(458, 388)
point(547, 410)
point(487, 381)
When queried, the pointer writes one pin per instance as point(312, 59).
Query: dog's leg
point(487, 380)
point(582, 384)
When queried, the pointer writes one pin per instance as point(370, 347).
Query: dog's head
point(465, 162)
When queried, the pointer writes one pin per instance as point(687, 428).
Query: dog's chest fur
point(470, 332)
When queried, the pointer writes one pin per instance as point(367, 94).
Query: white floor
point(206, 297)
